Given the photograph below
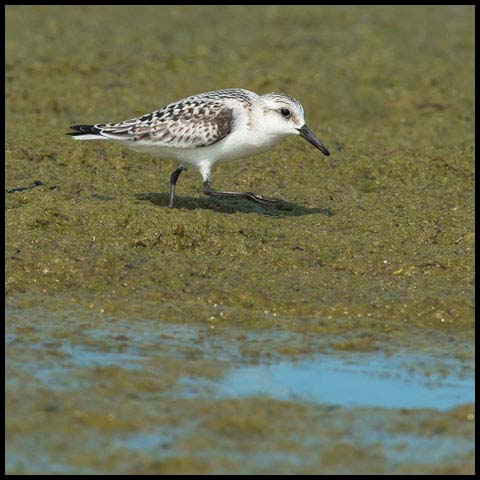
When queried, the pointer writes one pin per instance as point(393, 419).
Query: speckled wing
point(184, 124)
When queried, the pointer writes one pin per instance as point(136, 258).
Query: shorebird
point(211, 127)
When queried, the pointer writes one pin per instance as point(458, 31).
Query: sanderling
point(207, 128)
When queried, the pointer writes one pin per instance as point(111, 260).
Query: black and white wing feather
point(188, 123)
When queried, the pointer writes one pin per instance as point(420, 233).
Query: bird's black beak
point(308, 135)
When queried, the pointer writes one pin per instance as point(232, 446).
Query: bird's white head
point(285, 116)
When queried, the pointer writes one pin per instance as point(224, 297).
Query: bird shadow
point(233, 205)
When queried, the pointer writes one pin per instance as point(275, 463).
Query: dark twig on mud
point(36, 183)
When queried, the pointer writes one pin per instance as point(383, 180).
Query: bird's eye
point(285, 112)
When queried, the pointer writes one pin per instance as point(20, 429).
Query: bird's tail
point(86, 132)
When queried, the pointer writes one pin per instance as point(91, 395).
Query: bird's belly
point(232, 147)
point(235, 148)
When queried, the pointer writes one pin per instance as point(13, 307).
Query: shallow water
point(357, 380)
point(354, 379)
point(211, 367)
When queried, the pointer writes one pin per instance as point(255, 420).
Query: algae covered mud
point(218, 336)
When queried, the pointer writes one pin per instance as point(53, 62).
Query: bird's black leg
point(207, 190)
point(173, 180)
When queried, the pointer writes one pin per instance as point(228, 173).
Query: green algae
point(373, 247)
point(396, 244)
